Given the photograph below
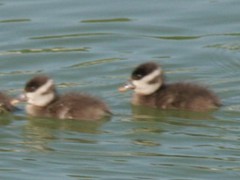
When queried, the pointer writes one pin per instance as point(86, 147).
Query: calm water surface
point(92, 46)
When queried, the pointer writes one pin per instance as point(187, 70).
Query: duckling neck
point(148, 100)
point(35, 110)
point(56, 98)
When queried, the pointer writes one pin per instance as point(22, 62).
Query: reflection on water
point(66, 125)
point(39, 133)
point(5, 119)
point(145, 113)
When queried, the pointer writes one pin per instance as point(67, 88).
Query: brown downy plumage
point(6, 103)
point(150, 89)
point(44, 101)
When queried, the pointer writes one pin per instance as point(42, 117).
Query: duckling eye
point(139, 76)
point(32, 88)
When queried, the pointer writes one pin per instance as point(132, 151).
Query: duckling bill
point(44, 101)
point(150, 89)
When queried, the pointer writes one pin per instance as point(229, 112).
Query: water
point(92, 46)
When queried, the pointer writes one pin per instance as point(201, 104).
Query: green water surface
point(92, 46)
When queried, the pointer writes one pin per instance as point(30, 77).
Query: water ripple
point(106, 20)
point(230, 47)
point(178, 37)
point(70, 35)
point(14, 20)
point(48, 50)
point(98, 61)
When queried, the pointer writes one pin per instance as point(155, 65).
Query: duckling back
point(180, 96)
point(78, 106)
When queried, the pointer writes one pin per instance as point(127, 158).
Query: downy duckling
point(7, 104)
point(150, 89)
point(44, 101)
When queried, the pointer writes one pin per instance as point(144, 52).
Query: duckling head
point(145, 79)
point(39, 91)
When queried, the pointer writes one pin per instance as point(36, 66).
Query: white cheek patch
point(143, 86)
point(41, 97)
point(43, 89)
point(151, 76)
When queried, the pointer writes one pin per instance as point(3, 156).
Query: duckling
point(44, 101)
point(7, 104)
point(148, 83)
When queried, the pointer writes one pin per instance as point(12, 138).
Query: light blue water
point(92, 46)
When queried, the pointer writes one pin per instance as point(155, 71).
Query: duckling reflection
point(143, 113)
point(39, 133)
point(44, 101)
point(40, 125)
point(151, 90)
